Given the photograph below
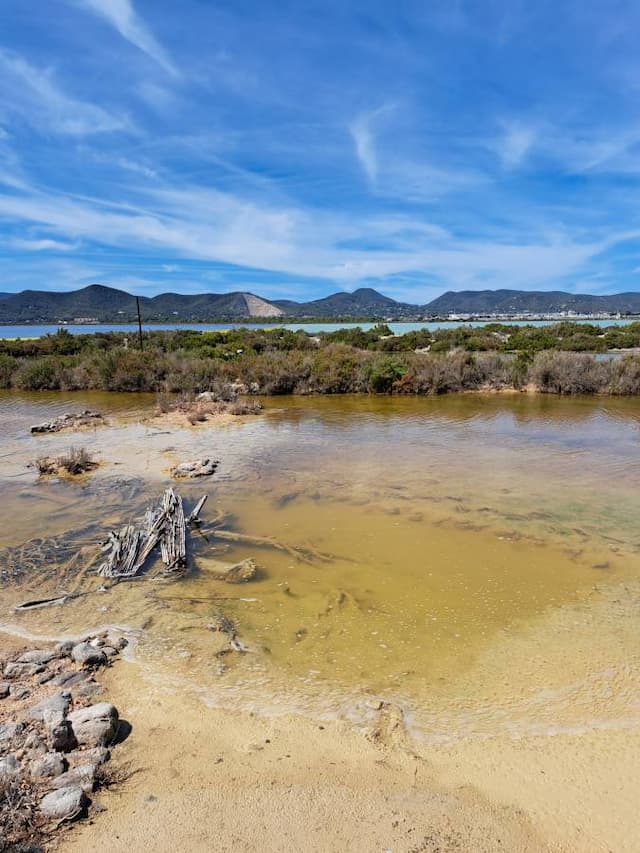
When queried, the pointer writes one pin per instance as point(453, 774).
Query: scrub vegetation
point(565, 358)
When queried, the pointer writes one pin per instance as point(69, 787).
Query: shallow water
point(474, 558)
point(39, 330)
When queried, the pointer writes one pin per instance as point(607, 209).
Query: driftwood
point(307, 555)
point(165, 525)
point(194, 516)
point(173, 544)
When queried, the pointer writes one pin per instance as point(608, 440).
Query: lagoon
point(474, 560)
point(39, 330)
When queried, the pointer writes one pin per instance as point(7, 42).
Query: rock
point(96, 725)
point(85, 654)
point(121, 643)
point(69, 678)
point(34, 745)
point(22, 670)
point(64, 804)
point(109, 651)
point(64, 648)
point(206, 397)
point(9, 731)
point(90, 688)
point(96, 642)
point(17, 692)
point(45, 677)
point(48, 766)
point(96, 756)
point(83, 776)
point(9, 766)
point(60, 736)
point(4, 689)
point(198, 468)
point(242, 572)
point(38, 656)
point(58, 703)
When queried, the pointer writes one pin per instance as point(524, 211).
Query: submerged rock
point(65, 804)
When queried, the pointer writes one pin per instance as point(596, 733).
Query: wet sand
point(210, 780)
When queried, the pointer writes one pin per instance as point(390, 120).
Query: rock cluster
point(70, 421)
point(50, 733)
point(197, 468)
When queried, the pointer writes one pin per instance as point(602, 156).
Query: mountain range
point(98, 303)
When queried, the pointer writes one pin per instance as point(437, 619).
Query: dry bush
point(77, 461)
point(22, 826)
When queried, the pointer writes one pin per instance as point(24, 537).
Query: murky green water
point(451, 544)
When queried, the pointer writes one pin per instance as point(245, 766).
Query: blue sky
point(298, 148)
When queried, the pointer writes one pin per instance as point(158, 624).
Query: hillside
point(107, 304)
point(535, 302)
point(98, 303)
point(364, 302)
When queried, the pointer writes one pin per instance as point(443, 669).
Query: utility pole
point(139, 323)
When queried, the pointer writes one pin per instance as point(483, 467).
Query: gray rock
point(110, 652)
point(96, 725)
point(198, 468)
point(96, 756)
point(88, 689)
point(35, 746)
point(61, 737)
point(9, 731)
point(64, 648)
point(97, 642)
point(4, 689)
point(45, 677)
point(69, 678)
point(38, 656)
point(85, 654)
point(48, 766)
point(22, 670)
point(58, 703)
point(9, 766)
point(83, 775)
point(17, 691)
point(64, 804)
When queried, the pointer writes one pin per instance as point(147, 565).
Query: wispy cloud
point(35, 96)
point(515, 143)
point(121, 15)
point(361, 130)
point(42, 245)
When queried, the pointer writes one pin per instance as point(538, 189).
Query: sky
point(293, 149)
